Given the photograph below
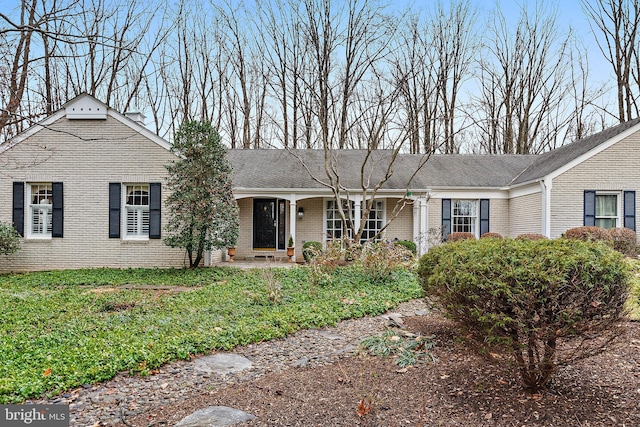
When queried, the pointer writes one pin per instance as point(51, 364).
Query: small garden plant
point(407, 350)
point(378, 260)
point(409, 245)
point(544, 302)
point(9, 239)
point(311, 249)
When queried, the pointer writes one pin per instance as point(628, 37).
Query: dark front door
point(265, 224)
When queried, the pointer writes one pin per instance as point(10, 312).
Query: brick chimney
point(136, 116)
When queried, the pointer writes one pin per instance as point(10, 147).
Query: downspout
point(546, 186)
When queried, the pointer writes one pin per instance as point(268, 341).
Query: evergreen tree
point(203, 214)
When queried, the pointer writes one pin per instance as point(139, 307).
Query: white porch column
point(357, 212)
point(424, 226)
point(416, 223)
point(292, 222)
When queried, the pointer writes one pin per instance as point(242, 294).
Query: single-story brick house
point(85, 188)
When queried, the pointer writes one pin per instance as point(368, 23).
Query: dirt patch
point(153, 288)
point(460, 389)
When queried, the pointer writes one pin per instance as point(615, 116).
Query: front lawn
point(60, 330)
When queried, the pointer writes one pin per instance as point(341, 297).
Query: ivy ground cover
point(60, 330)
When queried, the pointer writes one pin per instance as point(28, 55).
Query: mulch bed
point(461, 388)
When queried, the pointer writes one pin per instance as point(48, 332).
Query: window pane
point(374, 222)
point(41, 222)
point(607, 205)
point(607, 210)
point(137, 210)
point(335, 228)
point(606, 222)
point(137, 195)
point(132, 216)
point(40, 209)
point(464, 216)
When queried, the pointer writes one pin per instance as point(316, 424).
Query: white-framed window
point(608, 209)
point(464, 216)
point(333, 224)
point(374, 223)
point(40, 196)
point(136, 207)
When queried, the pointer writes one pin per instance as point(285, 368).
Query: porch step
point(273, 258)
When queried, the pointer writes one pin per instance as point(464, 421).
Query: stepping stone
point(222, 363)
point(394, 319)
point(328, 335)
point(215, 416)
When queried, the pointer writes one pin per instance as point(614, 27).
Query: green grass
point(63, 329)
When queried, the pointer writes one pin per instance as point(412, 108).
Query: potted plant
point(290, 249)
point(231, 252)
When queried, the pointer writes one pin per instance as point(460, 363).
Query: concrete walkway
point(260, 263)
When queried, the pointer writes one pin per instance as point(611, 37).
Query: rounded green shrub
point(9, 239)
point(411, 246)
point(625, 241)
point(589, 234)
point(531, 236)
point(458, 236)
point(546, 302)
point(491, 235)
point(311, 249)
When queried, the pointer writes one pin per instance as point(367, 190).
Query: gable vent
point(86, 108)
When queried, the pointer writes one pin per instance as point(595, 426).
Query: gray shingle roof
point(265, 169)
point(548, 162)
point(284, 169)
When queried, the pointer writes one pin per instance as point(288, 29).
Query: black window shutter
point(114, 209)
point(484, 216)
point(154, 210)
point(630, 210)
point(57, 215)
point(18, 207)
point(589, 208)
point(446, 218)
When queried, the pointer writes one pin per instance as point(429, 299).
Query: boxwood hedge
point(546, 302)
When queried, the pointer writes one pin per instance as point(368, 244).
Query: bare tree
point(523, 80)
point(248, 78)
point(18, 58)
point(432, 62)
point(121, 39)
point(356, 103)
point(455, 45)
point(415, 75)
point(618, 24)
point(281, 39)
point(315, 74)
point(587, 117)
point(60, 48)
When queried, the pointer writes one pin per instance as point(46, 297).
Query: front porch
point(268, 220)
